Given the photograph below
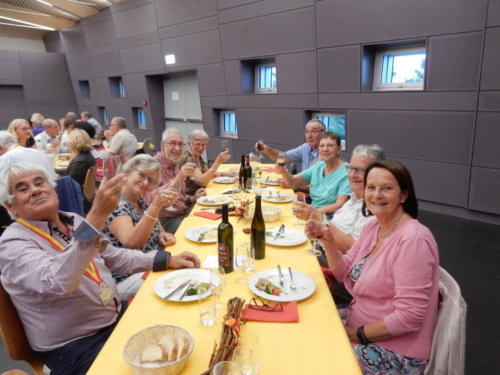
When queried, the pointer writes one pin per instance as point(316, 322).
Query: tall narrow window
point(117, 87)
point(103, 115)
point(334, 122)
point(84, 87)
point(228, 124)
point(139, 117)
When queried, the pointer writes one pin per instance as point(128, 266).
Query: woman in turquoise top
point(329, 185)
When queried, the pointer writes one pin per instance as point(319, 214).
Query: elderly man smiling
point(57, 268)
point(173, 177)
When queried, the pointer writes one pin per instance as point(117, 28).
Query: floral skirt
point(376, 360)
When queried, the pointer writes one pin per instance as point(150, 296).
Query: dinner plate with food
point(185, 285)
point(266, 284)
point(271, 181)
point(202, 234)
point(277, 197)
point(214, 200)
point(284, 236)
point(224, 180)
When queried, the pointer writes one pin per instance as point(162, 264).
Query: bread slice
point(170, 347)
point(183, 344)
point(153, 353)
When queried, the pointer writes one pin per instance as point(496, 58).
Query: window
point(140, 118)
point(103, 115)
point(334, 122)
point(399, 69)
point(265, 78)
point(228, 125)
point(117, 87)
point(84, 87)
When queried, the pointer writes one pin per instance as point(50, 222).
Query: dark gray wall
point(448, 135)
point(34, 82)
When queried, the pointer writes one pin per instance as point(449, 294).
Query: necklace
point(381, 236)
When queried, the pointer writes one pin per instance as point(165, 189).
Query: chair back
point(70, 196)
point(448, 343)
point(13, 335)
point(89, 185)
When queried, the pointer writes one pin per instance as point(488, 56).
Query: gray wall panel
point(485, 190)
point(232, 69)
point(376, 21)
point(490, 76)
point(454, 62)
point(6, 54)
point(297, 73)
point(9, 113)
point(451, 101)
point(487, 141)
point(214, 102)
point(273, 101)
point(494, 13)
point(136, 85)
point(194, 49)
point(144, 58)
point(222, 4)
point(135, 21)
point(261, 8)
point(108, 48)
point(211, 79)
point(174, 12)
point(103, 15)
point(47, 93)
point(137, 41)
point(291, 31)
point(106, 65)
point(124, 5)
point(73, 39)
point(209, 23)
point(10, 70)
point(99, 33)
point(80, 69)
point(489, 101)
point(433, 136)
point(338, 69)
point(34, 71)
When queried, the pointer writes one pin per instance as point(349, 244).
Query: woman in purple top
point(392, 273)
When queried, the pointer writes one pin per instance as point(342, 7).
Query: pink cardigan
point(400, 285)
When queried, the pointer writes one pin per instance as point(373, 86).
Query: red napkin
point(290, 314)
point(208, 215)
point(269, 170)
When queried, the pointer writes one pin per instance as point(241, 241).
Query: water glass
point(217, 285)
point(206, 312)
point(245, 359)
point(300, 197)
point(226, 368)
point(111, 166)
point(245, 260)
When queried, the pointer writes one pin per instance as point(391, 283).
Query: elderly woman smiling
point(134, 224)
point(392, 273)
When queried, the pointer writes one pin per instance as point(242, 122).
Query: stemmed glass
point(244, 357)
point(191, 159)
point(319, 219)
point(225, 145)
point(217, 285)
point(111, 166)
point(174, 187)
point(245, 260)
point(299, 197)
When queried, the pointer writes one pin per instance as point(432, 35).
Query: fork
point(282, 283)
point(292, 283)
point(191, 284)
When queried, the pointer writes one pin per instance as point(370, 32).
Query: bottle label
point(224, 252)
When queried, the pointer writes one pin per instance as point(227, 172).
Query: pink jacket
point(400, 285)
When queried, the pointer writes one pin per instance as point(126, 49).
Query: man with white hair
point(174, 177)
point(48, 140)
point(36, 123)
point(57, 268)
point(123, 142)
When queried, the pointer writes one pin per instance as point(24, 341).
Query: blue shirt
point(303, 154)
point(324, 190)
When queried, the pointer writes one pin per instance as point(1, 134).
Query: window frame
point(404, 86)
point(222, 131)
point(264, 90)
point(314, 116)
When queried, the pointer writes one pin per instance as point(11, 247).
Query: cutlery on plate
point(292, 283)
point(191, 284)
point(182, 285)
point(282, 282)
point(203, 234)
point(279, 232)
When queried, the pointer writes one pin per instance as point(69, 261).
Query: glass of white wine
point(319, 219)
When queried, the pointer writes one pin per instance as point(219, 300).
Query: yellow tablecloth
point(314, 346)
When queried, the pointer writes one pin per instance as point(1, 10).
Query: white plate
point(224, 180)
point(274, 198)
point(214, 200)
point(305, 285)
point(194, 233)
point(273, 181)
point(167, 283)
point(291, 237)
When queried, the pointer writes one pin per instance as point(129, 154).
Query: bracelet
point(149, 216)
point(360, 333)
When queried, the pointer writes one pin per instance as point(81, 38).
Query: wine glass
point(217, 285)
point(226, 368)
point(244, 357)
point(299, 197)
point(319, 219)
point(191, 159)
point(174, 187)
point(245, 260)
point(225, 145)
point(111, 166)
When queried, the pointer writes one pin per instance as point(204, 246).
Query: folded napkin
point(290, 314)
point(269, 170)
point(208, 215)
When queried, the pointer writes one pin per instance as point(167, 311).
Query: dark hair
point(403, 176)
point(331, 135)
point(89, 129)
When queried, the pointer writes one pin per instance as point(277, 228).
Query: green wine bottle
point(258, 231)
point(225, 249)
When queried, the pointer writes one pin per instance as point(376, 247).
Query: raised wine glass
point(319, 219)
point(299, 197)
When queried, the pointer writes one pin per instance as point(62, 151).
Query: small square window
point(265, 78)
point(334, 122)
point(117, 87)
point(103, 115)
point(84, 87)
point(140, 118)
point(399, 69)
point(228, 124)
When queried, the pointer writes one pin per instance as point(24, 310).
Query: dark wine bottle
point(225, 249)
point(248, 173)
point(242, 174)
point(258, 233)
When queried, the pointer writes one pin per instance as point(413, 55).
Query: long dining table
point(317, 344)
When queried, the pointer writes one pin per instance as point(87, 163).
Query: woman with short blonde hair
point(79, 141)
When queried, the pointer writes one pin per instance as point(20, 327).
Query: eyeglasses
point(143, 176)
point(355, 170)
point(258, 304)
point(175, 144)
point(313, 131)
point(199, 144)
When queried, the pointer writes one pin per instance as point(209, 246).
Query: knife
point(278, 233)
point(282, 283)
point(191, 284)
point(182, 285)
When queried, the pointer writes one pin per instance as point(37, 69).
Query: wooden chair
point(13, 335)
point(15, 372)
point(89, 185)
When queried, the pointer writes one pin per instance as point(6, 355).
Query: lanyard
point(91, 271)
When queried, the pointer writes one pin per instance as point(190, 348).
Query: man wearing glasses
point(306, 153)
point(173, 177)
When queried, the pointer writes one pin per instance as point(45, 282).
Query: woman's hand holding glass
point(300, 208)
point(315, 229)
